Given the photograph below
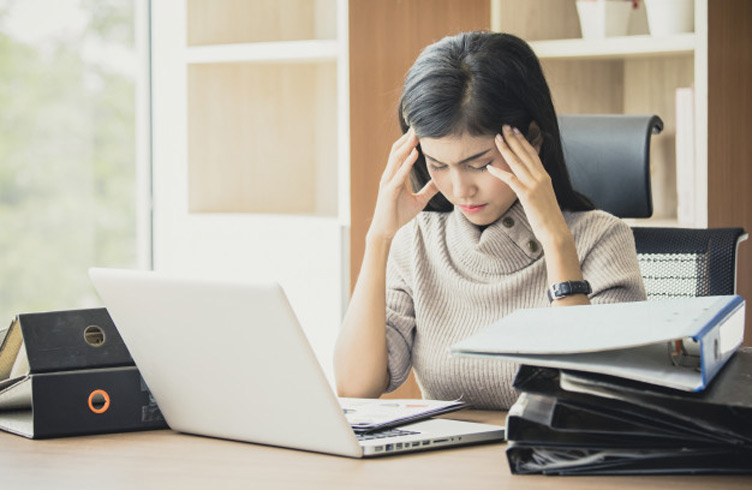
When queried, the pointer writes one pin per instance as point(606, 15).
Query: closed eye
point(482, 168)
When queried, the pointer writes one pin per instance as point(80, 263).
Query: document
point(371, 414)
point(678, 343)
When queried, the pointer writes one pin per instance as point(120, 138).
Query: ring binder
point(622, 339)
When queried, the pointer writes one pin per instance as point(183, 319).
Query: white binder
point(678, 343)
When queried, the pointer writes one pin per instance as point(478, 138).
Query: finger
point(400, 153)
point(522, 148)
point(400, 176)
point(516, 165)
point(526, 145)
point(427, 192)
point(401, 139)
point(508, 178)
point(396, 146)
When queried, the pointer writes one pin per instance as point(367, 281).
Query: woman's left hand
point(532, 185)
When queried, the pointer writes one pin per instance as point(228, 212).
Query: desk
point(164, 460)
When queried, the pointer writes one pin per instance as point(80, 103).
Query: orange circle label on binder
point(99, 401)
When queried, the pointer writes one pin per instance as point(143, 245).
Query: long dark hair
point(474, 83)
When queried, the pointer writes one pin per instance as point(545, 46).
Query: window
point(74, 148)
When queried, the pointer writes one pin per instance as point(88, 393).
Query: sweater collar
point(503, 247)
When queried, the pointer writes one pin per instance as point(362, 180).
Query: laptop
point(230, 360)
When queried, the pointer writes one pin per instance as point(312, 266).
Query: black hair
point(473, 83)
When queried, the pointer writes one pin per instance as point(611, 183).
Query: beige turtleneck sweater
point(447, 279)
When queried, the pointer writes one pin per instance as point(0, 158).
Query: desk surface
point(165, 459)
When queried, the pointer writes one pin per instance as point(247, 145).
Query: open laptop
point(230, 360)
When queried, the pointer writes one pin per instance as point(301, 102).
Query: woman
point(490, 224)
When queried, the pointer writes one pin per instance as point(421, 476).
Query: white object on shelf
point(685, 156)
point(603, 18)
point(669, 17)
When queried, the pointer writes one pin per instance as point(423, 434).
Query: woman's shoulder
point(592, 226)
point(411, 240)
point(426, 223)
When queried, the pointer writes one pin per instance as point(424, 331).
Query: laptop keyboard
point(385, 433)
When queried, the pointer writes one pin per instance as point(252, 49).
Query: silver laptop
point(230, 360)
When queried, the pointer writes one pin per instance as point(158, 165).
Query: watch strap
point(568, 288)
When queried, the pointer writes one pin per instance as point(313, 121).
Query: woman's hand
point(396, 203)
point(532, 185)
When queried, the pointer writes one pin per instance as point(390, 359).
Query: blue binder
point(677, 343)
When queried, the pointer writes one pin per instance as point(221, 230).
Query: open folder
point(678, 343)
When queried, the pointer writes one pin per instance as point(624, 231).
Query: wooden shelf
point(615, 47)
point(284, 51)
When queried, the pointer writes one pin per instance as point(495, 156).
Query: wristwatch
point(562, 289)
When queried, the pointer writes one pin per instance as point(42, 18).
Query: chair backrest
point(608, 158)
point(680, 262)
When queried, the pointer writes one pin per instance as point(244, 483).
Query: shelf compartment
point(262, 138)
point(244, 21)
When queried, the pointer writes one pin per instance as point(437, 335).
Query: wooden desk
point(166, 460)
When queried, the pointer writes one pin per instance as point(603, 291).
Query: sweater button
point(508, 222)
point(533, 246)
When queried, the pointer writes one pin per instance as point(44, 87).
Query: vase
point(668, 17)
point(603, 18)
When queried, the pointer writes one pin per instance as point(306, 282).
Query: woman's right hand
point(396, 203)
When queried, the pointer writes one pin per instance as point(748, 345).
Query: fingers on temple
point(404, 170)
point(508, 178)
point(428, 191)
point(401, 150)
point(511, 156)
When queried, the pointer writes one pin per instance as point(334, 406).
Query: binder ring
point(94, 336)
point(102, 400)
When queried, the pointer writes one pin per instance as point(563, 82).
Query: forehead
point(455, 148)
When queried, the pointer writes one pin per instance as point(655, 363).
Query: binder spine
point(91, 402)
point(72, 339)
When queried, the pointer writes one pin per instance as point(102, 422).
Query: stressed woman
point(475, 218)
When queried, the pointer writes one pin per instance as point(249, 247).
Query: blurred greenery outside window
point(69, 125)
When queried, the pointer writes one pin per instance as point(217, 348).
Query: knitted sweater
point(447, 279)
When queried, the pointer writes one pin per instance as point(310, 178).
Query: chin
point(480, 220)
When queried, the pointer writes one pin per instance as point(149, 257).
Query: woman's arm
point(360, 355)
point(532, 185)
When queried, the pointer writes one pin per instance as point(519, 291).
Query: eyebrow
point(466, 160)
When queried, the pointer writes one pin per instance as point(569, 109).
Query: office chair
point(608, 157)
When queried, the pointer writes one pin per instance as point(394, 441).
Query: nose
point(463, 185)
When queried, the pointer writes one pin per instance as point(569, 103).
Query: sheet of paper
point(375, 411)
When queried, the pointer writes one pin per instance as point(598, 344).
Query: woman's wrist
point(378, 243)
point(559, 241)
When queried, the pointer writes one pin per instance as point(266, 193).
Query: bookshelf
point(251, 149)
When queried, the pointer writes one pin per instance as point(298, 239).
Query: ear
point(535, 136)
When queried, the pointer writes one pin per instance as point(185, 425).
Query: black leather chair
point(608, 157)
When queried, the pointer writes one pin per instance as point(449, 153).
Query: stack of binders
point(579, 423)
point(654, 387)
point(67, 373)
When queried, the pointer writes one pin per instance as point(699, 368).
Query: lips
point(471, 208)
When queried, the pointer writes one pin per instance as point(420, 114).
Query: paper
point(367, 414)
